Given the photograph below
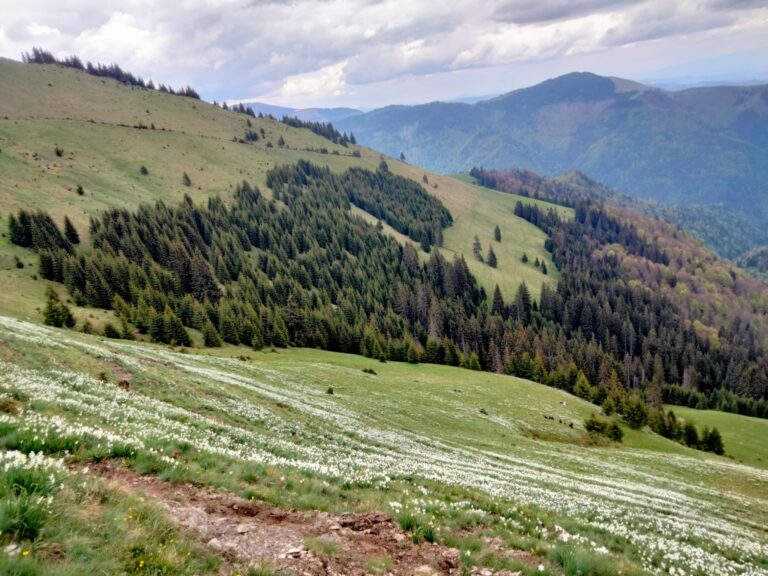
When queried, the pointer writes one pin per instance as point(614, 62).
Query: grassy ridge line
point(83, 114)
point(677, 507)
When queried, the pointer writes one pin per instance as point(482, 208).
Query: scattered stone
point(294, 552)
point(242, 528)
point(11, 549)
point(215, 543)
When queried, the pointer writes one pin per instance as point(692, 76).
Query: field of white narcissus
point(279, 416)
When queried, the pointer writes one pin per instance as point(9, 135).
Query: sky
point(366, 54)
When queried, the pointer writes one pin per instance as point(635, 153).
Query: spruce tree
point(636, 412)
point(174, 330)
point(583, 389)
point(491, 258)
point(713, 442)
point(279, 331)
point(498, 302)
point(70, 232)
point(690, 435)
point(497, 233)
point(210, 336)
point(477, 249)
point(412, 355)
point(157, 328)
point(56, 312)
point(614, 432)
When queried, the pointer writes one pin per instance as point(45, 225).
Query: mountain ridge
point(700, 146)
point(315, 114)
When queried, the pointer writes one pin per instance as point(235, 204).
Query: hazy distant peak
point(624, 85)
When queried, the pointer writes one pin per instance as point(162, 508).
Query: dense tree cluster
point(668, 425)
point(400, 202)
point(38, 231)
point(324, 129)
point(40, 56)
point(640, 331)
point(308, 273)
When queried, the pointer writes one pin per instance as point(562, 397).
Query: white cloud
point(121, 39)
point(328, 81)
point(334, 48)
point(42, 32)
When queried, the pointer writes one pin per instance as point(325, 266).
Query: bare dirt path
point(303, 543)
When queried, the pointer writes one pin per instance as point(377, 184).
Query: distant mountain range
point(313, 114)
point(704, 147)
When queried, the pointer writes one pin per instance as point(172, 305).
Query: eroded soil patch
point(308, 543)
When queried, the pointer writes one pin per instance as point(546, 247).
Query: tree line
point(324, 129)
point(40, 56)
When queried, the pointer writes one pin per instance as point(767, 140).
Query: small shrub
point(407, 522)
point(110, 331)
point(598, 427)
point(378, 565)
point(428, 532)
point(20, 481)
point(18, 566)
point(80, 190)
point(614, 432)
point(594, 425)
point(322, 546)
point(22, 517)
point(186, 180)
point(370, 371)
point(329, 390)
point(59, 151)
point(144, 171)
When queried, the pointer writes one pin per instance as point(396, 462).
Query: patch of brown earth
point(246, 532)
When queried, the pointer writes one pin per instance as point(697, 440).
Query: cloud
point(121, 38)
point(328, 81)
point(533, 11)
point(652, 21)
point(337, 48)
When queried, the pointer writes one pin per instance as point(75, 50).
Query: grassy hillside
point(93, 122)
point(744, 436)
point(467, 459)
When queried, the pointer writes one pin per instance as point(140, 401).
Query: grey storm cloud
point(299, 48)
point(533, 11)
